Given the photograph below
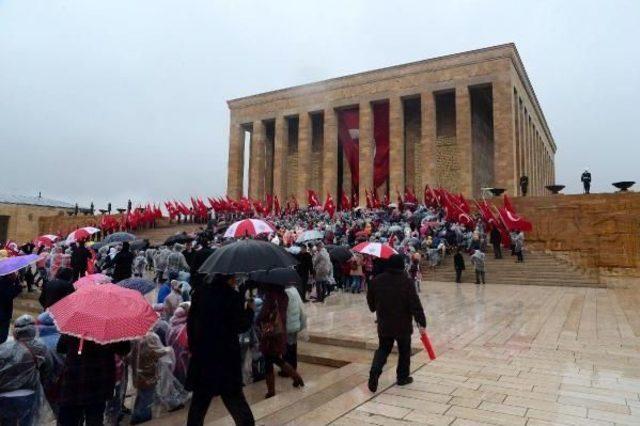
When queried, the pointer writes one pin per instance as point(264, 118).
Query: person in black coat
point(198, 259)
point(56, 289)
point(304, 269)
point(79, 257)
point(392, 296)
point(217, 315)
point(10, 288)
point(458, 264)
point(496, 241)
point(123, 262)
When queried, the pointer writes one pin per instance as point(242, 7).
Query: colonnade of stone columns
point(530, 157)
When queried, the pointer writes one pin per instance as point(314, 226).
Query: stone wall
point(66, 224)
point(598, 232)
point(24, 220)
point(447, 167)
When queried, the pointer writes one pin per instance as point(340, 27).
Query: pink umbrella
point(380, 250)
point(92, 279)
point(81, 234)
point(103, 314)
point(248, 227)
point(46, 240)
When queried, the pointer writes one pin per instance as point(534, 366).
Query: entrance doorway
point(4, 228)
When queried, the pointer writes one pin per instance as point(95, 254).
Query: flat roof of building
point(28, 200)
point(459, 58)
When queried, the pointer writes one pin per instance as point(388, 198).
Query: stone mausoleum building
point(464, 121)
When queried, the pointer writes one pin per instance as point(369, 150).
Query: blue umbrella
point(142, 285)
point(119, 237)
point(310, 236)
point(13, 264)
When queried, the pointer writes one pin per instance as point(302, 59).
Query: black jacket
point(305, 265)
point(54, 290)
point(392, 296)
point(458, 261)
point(216, 317)
point(199, 258)
point(123, 262)
point(496, 237)
point(10, 288)
point(79, 257)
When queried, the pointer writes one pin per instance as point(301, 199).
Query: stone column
point(464, 141)
point(396, 147)
point(330, 153)
point(504, 162)
point(279, 157)
point(428, 140)
point(257, 161)
point(365, 162)
point(304, 156)
point(235, 173)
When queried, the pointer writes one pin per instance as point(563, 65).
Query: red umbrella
point(103, 314)
point(81, 234)
point(247, 227)
point(380, 250)
point(46, 240)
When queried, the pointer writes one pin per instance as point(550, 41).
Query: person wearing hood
point(172, 301)
point(57, 288)
point(139, 264)
point(393, 297)
point(161, 327)
point(144, 365)
point(477, 259)
point(10, 288)
point(178, 340)
point(160, 263)
point(123, 262)
point(24, 363)
point(49, 335)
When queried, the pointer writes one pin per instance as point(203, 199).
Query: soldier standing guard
point(586, 181)
point(524, 185)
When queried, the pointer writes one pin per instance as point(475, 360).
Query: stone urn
point(555, 189)
point(497, 191)
point(624, 185)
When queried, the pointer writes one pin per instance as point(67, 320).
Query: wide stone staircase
point(538, 269)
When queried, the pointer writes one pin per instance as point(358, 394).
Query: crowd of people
point(216, 334)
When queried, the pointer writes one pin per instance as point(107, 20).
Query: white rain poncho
point(169, 391)
point(23, 362)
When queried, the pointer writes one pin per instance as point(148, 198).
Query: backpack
point(272, 325)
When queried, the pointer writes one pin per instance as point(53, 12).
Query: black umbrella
point(133, 245)
point(178, 239)
point(277, 276)
point(246, 256)
point(339, 254)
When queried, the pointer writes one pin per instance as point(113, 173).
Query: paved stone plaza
point(507, 355)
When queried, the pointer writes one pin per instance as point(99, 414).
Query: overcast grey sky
point(106, 100)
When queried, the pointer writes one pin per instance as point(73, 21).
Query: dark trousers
point(73, 415)
point(321, 290)
point(78, 273)
point(497, 251)
point(459, 275)
point(519, 256)
point(302, 288)
point(384, 349)
point(235, 402)
point(479, 276)
point(291, 355)
point(4, 330)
